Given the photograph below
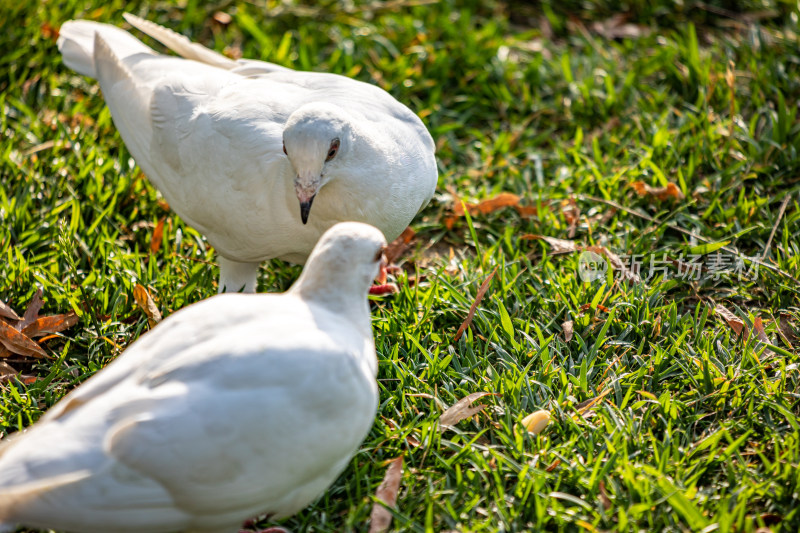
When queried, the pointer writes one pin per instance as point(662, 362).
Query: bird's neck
point(342, 295)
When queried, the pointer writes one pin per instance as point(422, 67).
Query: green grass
point(699, 430)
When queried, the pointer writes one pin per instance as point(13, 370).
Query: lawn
point(663, 138)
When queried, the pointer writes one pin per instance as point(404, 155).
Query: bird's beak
point(305, 208)
point(382, 273)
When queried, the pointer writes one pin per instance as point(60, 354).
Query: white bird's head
point(344, 263)
point(316, 139)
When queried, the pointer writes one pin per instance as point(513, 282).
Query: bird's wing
point(247, 418)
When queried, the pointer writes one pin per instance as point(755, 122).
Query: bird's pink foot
point(384, 288)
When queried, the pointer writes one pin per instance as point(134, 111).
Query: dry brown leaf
point(146, 303)
point(572, 214)
point(18, 343)
point(735, 323)
point(558, 246)
point(6, 311)
point(785, 329)
point(6, 372)
point(490, 205)
point(158, 234)
point(50, 324)
point(670, 190)
point(761, 335)
point(400, 245)
point(616, 262)
point(32, 312)
point(381, 518)
point(462, 409)
point(585, 406)
point(568, 328)
point(617, 27)
point(474, 307)
point(604, 499)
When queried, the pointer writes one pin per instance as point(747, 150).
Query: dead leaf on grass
point(490, 205)
point(18, 343)
point(669, 191)
point(462, 409)
point(32, 312)
point(47, 325)
point(158, 235)
point(381, 518)
point(474, 307)
point(733, 321)
point(785, 329)
point(7, 312)
point(146, 303)
point(400, 245)
point(568, 328)
point(558, 246)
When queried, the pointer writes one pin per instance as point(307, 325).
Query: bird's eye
point(333, 149)
point(284, 149)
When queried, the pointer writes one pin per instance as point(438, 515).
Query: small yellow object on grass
point(536, 422)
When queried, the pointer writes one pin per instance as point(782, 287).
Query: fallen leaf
point(568, 330)
point(735, 323)
point(670, 190)
point(604, 499)
point(462, 409)
point(146, 303)
point(18, 343)
point(6, 372)
point(400, 245)
point(617, 27)
point(572, 214)
point(32, 312)
point(785, 329)
point(481, 291)
point(158, 234)
point(553, 466)
point(585, 406)
point(485, 207)
point(616, 263)
point(381, 518)
point(558, 246)
point(50, 324)
point(761, 335)
point(7, 312)
point(536, 422)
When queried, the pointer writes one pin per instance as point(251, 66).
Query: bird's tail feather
point(180, 44)
point(76, 44)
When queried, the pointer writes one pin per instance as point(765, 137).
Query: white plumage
point(232, 407)
point(240, 148)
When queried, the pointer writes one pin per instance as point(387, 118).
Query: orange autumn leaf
point(733, 321)
point(50, 324)
point(669, 191)
point(490, 205)
point(146, 303)
point(19, 343)
point(158, 233)
point(399, 246)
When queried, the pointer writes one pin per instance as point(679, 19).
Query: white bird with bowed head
point(236, 406)
point(242, 149)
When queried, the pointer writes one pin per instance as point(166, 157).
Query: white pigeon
point(235, 145)
point(235, 406)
